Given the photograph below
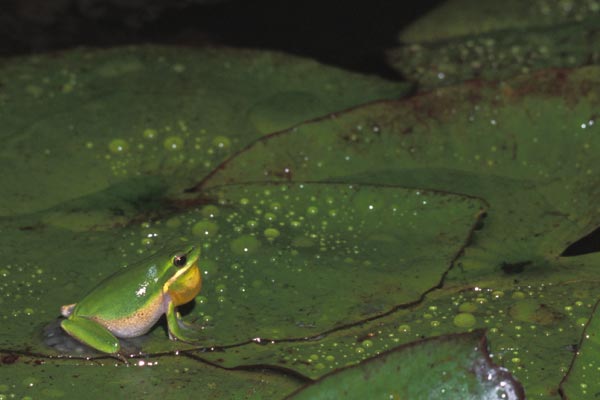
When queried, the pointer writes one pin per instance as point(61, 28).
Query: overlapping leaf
point(153, 378)
point(103, 117)
point(460, 40)
point(331, 272)
point(445, 367)
point(529, 147)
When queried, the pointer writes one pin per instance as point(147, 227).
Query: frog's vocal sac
point(128, 303)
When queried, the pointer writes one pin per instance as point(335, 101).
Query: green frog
point(128, 303)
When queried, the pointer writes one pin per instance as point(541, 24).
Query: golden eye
point(180, 260)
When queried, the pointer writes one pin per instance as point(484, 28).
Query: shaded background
point(351, 35)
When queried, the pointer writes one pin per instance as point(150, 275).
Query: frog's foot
point(180, 330)
point(186, 332)
point(55, 337)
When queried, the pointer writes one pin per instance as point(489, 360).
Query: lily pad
point(464, 39)
point(102, 117)
point(152, 378)
point(270, 253)
point(279, 248)
point(581, 381)
point(526, 147)
point(454, 18)
point(498, 54)
point(455, 366)
point(535, 345)
point(322, 245)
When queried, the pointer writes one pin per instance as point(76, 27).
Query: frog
point(130, 302)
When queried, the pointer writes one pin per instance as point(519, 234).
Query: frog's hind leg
point(91, 333)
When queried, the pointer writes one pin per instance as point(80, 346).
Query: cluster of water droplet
point(515, 320)
point(258, 241)
point(163, 150)
point(21, 291)
point(506, 52)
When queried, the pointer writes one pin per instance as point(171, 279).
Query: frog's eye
point(180, 260)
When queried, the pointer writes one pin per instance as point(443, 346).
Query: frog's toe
point(186, 332)
point(67, 309)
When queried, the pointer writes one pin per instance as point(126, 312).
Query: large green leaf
point(101, 117)
point(456, 367)
point(497, 55)
point(368, 234)
point(452, 18)
point(25, 377)
point(527, 148)
point(468, 39)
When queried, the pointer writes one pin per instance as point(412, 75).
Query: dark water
point(351, 35)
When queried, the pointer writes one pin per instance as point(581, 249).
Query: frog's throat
point(184, 285)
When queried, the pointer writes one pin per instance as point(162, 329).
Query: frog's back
point(122, 294)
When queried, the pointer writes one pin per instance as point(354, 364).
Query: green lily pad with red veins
point(85, 120)
point(323, 245)
point(453, 366)
point(529, 147)
point(526, 147)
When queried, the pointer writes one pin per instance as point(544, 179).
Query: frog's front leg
point(179, 330)
point(93, 334)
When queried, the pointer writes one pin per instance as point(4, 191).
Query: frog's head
point(186, 281)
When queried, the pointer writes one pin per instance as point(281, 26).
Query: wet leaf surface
point(459, 40)
point(497, 54)
point(270, 255)
point(454, 18)
point(505, 143)
point(581, 381)
point(482, 140)
point(151, 378)
point(105, 117)
point(453, 366)
point(323, 245)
